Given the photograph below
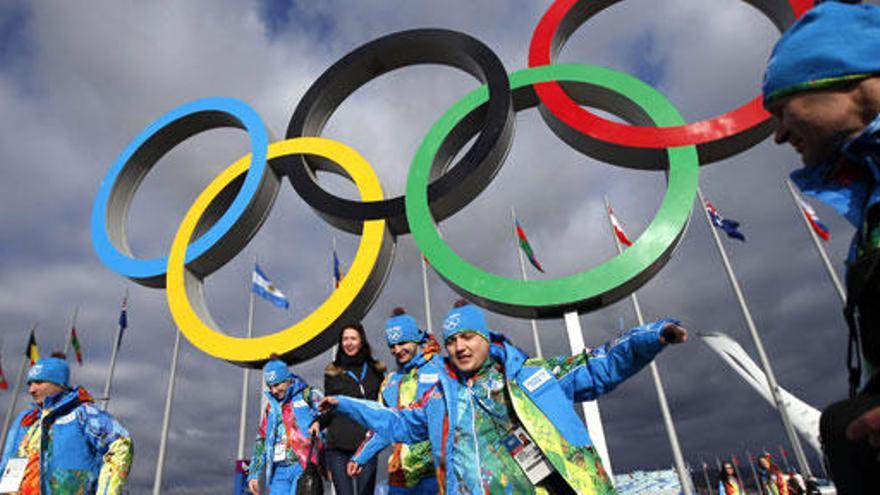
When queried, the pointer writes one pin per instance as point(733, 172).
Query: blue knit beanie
point(467, 318)
point(51, 369)
point(402, 328)
point(276, 371)
point(833, 43)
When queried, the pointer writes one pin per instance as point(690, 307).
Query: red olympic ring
point(745, 125)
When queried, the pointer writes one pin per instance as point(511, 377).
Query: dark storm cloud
point(84, 78)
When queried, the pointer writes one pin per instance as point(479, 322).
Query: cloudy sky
point(78, 80)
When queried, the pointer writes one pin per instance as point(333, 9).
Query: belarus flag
point(618, 229)
point(810, 214)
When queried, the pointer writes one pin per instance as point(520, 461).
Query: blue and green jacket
point(542, 395)
point(82, 448)
point(410, 466)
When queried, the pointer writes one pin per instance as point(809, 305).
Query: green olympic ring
point(584, 291)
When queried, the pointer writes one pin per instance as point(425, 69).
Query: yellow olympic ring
point(370, 263)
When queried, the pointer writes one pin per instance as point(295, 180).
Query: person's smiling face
point(816, 123)
point(467, 351)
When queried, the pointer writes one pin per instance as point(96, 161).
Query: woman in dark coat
point(353, 373)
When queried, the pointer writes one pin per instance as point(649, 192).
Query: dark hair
point(398, 311)
point(459, 303)
point(365, 347)
point(274, 356)
point(723, 476)
point(58, 354)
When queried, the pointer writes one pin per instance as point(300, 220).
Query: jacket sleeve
point(10, 447)
point(371, 446)
point(592, 373)
point(113, 443)
point(396, 425)
point(373, 443)
point(258, 455)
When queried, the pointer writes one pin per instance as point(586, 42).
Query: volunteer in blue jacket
point(499, 422)
point(281, 451)
point(64, 443)
point(410, 467)
point(823, 85)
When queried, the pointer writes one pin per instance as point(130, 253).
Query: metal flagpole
point(522, 267)
point(427, 294)
point(784, 458)
point(105, 400)
point(14, 401)
point(69, 332)
point(822, 253)
point(706, 476)
point(759, 345)
point(590, 408)
point(242, 419)
point(683, 475)
point(754, 472)
point(166, 419)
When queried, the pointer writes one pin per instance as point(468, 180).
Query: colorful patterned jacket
point(773, 481)
point(542, 393)
point(410, 467)
point(732, 487)
point(298, 410)
point(82, 449)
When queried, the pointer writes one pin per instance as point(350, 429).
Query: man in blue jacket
point(499, 422)
point(823, 85)
point(410, 467)
point(282, 448)
point(64, 443)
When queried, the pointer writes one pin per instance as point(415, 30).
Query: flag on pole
point(618, 229)
point(730, 227)
point(74, 342)
point(31, 352)
point(525, 246)
point(123, 320)
point(818, 227)
point(337, 270)
point(263, 287)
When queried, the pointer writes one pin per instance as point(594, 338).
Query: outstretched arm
point(370, 448)
point(592, 373)
point(405, 425)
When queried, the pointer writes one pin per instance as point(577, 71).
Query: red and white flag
point(618, 229)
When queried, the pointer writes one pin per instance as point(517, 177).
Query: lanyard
point(360, 381)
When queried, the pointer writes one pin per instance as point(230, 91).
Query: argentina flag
point(263, 287)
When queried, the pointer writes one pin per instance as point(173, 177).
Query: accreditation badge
point(527, 454)
point(280, 452)
point(13, 475)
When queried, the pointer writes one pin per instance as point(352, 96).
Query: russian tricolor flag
point(810, 214)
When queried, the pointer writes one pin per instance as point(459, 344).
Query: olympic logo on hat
point(452, 322)
point(395, 333)
point(229, 212)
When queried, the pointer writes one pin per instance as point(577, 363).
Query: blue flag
point(730, 227)
point(263, 287)
point(123, 320)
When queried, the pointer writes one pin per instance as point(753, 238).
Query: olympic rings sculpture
point(228, 213)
